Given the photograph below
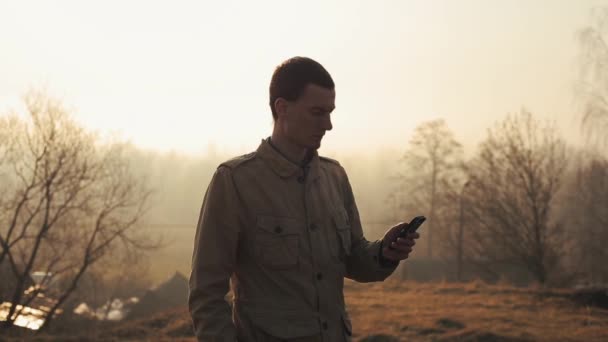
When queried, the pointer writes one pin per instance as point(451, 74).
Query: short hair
point(293, 75)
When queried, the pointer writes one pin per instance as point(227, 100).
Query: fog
point(179, 77)
point(488, 117)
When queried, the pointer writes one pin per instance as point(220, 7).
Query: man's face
point(304, 121)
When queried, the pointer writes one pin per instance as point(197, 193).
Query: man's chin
point(311, 144)
point(315, 145)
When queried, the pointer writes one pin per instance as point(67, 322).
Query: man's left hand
point(401, 248)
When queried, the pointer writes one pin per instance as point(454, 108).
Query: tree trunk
point(18, 294)
point(431, 226)
point(46, 324)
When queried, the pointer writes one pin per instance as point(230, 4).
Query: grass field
point(411, 311)
point(408, 310)
point(471, 312)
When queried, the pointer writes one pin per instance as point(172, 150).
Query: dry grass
point(471, 312)
point(423, 312)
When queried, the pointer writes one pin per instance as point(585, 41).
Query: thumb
point(392, 233)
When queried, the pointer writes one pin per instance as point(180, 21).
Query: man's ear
point(280, 106)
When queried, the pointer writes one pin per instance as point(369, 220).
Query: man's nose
point(327, 124)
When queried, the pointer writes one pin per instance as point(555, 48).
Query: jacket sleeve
point(214, 259)
point(365, 263)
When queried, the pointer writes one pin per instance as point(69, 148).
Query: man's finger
point(397, 228)
point(413, 235)
point(406, 242)
point(394, 255)
point(403, 248)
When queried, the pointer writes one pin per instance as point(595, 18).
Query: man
point(281, 227)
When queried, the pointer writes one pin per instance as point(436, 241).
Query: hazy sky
point(181, 75)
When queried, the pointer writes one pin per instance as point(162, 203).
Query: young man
point(281, 226)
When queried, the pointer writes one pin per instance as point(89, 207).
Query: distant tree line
point(524, 199)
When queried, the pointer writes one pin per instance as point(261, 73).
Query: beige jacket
point(284, 242)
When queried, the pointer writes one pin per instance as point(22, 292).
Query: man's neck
point(295, 154)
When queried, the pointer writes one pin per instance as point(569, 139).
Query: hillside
point(421, 312)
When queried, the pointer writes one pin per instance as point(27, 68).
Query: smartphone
point(412, 226)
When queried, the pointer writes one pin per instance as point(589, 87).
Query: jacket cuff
point(385, 263)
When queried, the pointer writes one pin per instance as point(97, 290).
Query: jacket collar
point(285, 168)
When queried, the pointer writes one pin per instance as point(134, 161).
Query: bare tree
point(514, 179)
point(71, 201)
point(584, 210)
point(593, 76)
point(432, 162)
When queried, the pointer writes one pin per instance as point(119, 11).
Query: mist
point(490, 118)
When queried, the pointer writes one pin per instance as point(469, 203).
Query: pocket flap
point(343, 230)
point(279, 225)
point(340, 219)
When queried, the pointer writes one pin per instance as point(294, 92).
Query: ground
point(412, 311)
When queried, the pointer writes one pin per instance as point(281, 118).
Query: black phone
point(412, 226)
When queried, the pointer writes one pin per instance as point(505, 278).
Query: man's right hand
point(400, 248)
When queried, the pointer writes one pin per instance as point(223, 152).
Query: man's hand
point(401, 248)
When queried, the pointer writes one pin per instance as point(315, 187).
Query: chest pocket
point(277, 242)
point(341, 232)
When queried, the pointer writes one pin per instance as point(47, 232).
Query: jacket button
point(301, 179)
point(319, 276)
point(313, 226)
point(325, 326)
point(278, 229)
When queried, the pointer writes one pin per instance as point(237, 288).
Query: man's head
point(302, 97)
